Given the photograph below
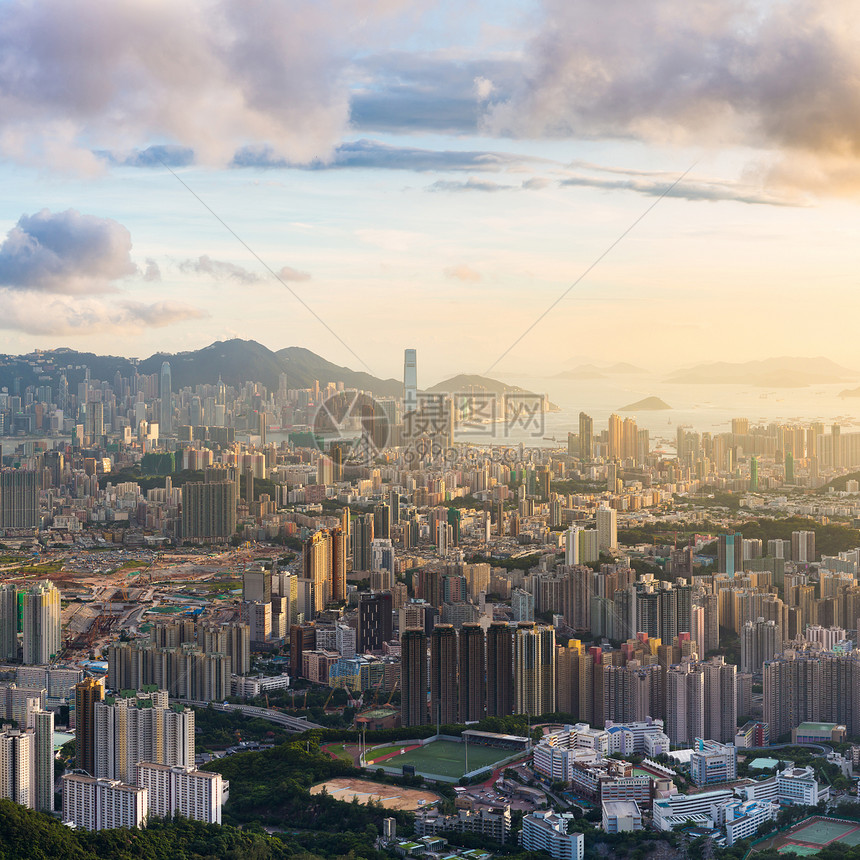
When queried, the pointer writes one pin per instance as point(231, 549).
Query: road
point(824, 748)
point(296, 724)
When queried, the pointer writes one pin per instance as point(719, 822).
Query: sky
point(510, 187)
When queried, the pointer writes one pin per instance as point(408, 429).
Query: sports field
point(364, 790)
point(810, 836)
point(446, 758)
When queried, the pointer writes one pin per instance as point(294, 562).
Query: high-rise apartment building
point(803, 547)
point(760, 641)
point(193, 794)
point(607, 529)
point(317, 560)
point(444, 708)
point(87, 693)
point(413, 674)
point(8, 622)
point(721, 700)
point(534, 669)
point(500, 665)
point(18, 767)
point(141, 727)
point(42, 629)
point(208, 510)
point(362, 539)
point(19, 499)
point(102, 804)
point(375, 621)
point(685, 703)
point(473, 674)
point(43, 759)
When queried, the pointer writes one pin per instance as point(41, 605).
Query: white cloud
point(462, 273)
point(65, 252)
point(223, 270)
point(60, 315)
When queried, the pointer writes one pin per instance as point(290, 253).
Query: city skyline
point(339, 162)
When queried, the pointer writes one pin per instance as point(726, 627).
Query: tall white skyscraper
point(571, 546)
point(42, 639)
point(410, 380)
point(166, 416)
point(17, 772)
point(607, 528)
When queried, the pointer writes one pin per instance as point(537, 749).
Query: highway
point(295, 724)
point(823, 748)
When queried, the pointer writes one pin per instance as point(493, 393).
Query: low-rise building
point(493, 822)
point(713, 763)
point(548, 831)
point(753, 733)
point(798, 786)
point(744, 817)
point(818, 733)
point(704, 809)
point(621, 816)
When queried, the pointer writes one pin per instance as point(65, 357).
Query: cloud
point(65, 252)
point(208, 76)
point(471, 184)
point(372, 154)
point(152, 272)
point(462, 273)
point(152, 156)
point(689, 189)
point(222, 270)
point(397, 91)
point(781, 77)
point(59, 315)
point(536, 183)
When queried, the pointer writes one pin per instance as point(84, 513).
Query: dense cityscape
point(539, 645)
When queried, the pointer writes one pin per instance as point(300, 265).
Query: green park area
point(448, 758)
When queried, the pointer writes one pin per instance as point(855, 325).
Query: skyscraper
point(317, 562)
point(413, 670)
point(87, 693)
point(534, 669)
point(8, 622)
point(473, 677)
point(410, 380)
point(375, 621)
point(586, 437)
point(208, 510)
point(17, 767)
point(43, 759)
point(721, 700)
point(165, 393)
point(443, 675)
point(19, 499)
point(607, 529)
point(42, 631)
point(500, 667)
point(362, 538)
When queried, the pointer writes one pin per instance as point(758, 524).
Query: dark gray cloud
point(222, 270)
point(65, 252)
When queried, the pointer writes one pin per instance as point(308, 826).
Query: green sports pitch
point(447, 758)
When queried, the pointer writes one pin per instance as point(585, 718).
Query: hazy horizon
point(433, 176)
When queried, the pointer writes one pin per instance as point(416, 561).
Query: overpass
point(293, 724)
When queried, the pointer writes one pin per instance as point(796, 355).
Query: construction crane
point(391, 694)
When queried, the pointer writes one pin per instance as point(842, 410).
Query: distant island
point(785, 372)
point(469, 382)
point(649, 404)
point(850, 392)
point(580, 373)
